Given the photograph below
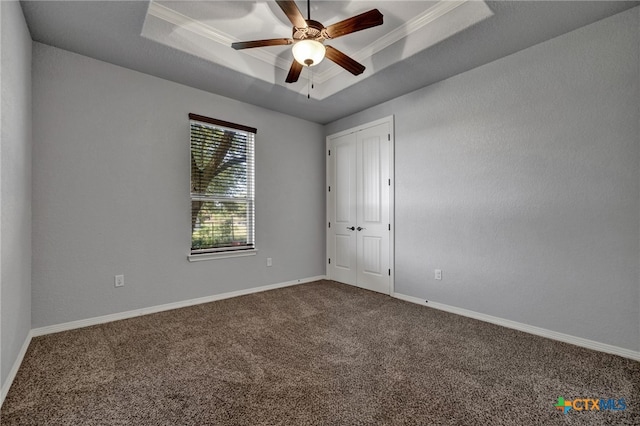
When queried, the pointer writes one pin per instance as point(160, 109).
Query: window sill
point(221, 255)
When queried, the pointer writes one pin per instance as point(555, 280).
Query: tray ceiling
point(207, 29)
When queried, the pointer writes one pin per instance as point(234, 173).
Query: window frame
point(226, 251)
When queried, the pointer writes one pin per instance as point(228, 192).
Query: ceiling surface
point(420, 43)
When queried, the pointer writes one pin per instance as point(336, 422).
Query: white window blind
point(222, 185)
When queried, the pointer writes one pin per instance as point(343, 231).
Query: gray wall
point(111, 191)
point(15, 179)
point(520, 180)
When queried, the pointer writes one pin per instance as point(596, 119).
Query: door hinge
point(389, 182)
point(329, 188)
point(389, 272)
point(329, 261)
point(388, 136)
point(329, 224)
point(329, 152)
point(389, 227)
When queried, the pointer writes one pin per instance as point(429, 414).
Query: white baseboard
point(14, 369)
point(578, 341)
point(56, 328)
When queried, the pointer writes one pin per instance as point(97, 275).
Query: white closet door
point(342, 202)
point(359, 207)
point(372, 211)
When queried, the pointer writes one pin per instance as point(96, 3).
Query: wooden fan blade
point(344, 61)
point(293, 13)
point(294, 72)
point(261, 43)
point(360, 22)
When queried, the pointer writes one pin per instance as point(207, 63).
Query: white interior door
point(372, 210)
point(359, 207)
point(342, 198)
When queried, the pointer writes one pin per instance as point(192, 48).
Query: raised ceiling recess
point(208, 30)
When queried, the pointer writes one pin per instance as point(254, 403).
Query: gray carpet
point(315, 354)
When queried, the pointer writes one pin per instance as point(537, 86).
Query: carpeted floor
point(315, 354)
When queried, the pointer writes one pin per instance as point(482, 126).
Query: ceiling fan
point(309, 36)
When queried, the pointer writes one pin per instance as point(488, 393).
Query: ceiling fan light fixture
point(308, 52)
point(308, 38)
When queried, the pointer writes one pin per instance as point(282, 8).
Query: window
point(222, 186)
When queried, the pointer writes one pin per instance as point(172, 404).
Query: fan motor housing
point(313, 31)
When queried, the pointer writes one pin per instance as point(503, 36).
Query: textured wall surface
point(111, 192)
point(521, 181)
point(15, 192)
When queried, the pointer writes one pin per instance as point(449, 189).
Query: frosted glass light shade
point(308, 52)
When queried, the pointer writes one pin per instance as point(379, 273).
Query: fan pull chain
point(310, 82)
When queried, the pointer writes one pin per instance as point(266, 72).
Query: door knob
point(353, 228)
point(360, 229)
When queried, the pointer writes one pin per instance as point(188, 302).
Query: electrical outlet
point(119, 281)
point(269, 261)
point(438, 274)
